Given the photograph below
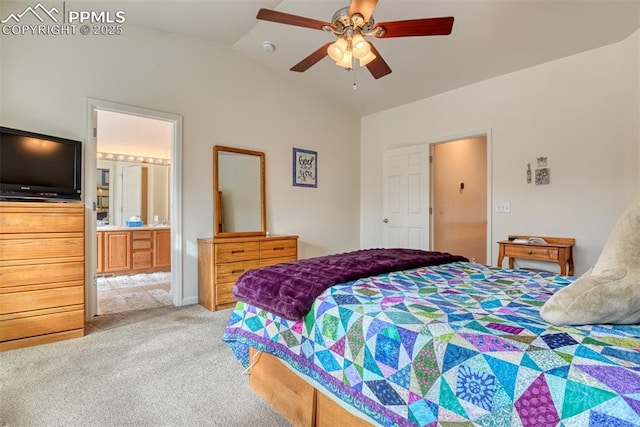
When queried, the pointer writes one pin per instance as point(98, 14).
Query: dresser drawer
point(48, 322)
point(230, 271)
point(37, 221)
point(241, 251)
point(29, 274)
point(273, 261)
point(535, 252)
point(43, 298)
point(224, 294)
point(285, 248)
point(46, 246)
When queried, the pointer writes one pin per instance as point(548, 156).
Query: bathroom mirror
point(127, 189)
point(238, 190)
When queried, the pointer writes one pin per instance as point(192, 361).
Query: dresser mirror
point(238, 190)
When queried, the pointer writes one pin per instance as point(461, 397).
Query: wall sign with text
point(305, 168)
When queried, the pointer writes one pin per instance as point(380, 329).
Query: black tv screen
point(39, 166)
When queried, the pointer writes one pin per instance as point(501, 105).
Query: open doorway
point(134, 225)
point(459, 197)
point(416, 209)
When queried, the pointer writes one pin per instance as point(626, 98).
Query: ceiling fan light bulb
point(367, 59)
point(337, 50)
point(345, 62)
point(360, 46)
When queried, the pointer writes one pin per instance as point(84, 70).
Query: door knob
point(386, 220)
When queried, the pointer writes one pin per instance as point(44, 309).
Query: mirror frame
point(216, 190)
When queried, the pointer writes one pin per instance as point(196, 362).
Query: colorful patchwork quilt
point(455, 343)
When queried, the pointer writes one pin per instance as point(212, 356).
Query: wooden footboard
point(294, 398)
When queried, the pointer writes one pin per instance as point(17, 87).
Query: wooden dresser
point(222, 260)
point(41, 273)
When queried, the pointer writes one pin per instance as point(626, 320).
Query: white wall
point(582, 112)
point(224, 99)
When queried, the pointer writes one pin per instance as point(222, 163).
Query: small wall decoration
point(542, 176)
point(305, 168)
point(542, 162)
point(542, 171)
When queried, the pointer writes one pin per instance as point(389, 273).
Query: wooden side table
point(557, 249)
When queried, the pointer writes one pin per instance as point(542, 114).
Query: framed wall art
point(305, 168)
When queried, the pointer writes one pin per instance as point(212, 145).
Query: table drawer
point(534, 252)
point(230, 271)
point(285, 248)
point(241, 251)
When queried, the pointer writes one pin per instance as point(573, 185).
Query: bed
point(457, 343)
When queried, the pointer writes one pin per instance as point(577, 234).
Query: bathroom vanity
point(132, 250)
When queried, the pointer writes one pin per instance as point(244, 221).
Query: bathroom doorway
point(135, 256)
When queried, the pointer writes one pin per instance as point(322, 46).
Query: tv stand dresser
point(41, 273)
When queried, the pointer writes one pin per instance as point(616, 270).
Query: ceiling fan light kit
point(351, 25)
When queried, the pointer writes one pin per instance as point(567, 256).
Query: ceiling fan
point(351, 25)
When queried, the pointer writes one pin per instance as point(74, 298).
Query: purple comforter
point(289, 289)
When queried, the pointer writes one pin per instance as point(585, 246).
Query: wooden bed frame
point(294, 398)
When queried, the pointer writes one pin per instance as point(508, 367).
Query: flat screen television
point(39, 167)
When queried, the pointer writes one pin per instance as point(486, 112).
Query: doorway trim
point(467, 135)
point(90, 164)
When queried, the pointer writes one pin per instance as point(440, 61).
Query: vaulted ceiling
point(489, 38)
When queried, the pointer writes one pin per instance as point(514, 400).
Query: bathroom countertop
point(120, 227)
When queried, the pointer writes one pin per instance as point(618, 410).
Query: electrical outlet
point(503, 207)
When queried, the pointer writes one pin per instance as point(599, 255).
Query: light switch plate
point(503, 207)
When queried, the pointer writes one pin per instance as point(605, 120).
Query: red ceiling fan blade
point(378, 67)
point(286, 18)
point(312, 59)
point(363, 7)
point(417, 27)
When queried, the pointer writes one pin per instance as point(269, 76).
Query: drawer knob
point(239, 251)
point(530, 252)
point(237, 271)
point(281, 248)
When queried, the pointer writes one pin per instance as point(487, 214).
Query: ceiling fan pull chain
point(355, 87)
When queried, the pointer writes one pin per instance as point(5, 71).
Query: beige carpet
point(160, 367)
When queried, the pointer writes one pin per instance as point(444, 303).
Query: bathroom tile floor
point(117, 294)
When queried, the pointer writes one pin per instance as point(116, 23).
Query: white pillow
point(609, 293)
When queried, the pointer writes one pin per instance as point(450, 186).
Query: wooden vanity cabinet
point(100, 251)
point(162, 249)
point(117, 251)
point(41, 273)
point(141, 249)
point(222, 260)
point(134, 251)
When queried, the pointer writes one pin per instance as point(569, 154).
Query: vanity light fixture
point(133, 159)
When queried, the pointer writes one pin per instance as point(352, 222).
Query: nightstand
point(557, 249)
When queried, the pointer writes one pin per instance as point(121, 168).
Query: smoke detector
point(267, 46)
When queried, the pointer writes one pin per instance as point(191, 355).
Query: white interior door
point(131, 192)
point(406, 197)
